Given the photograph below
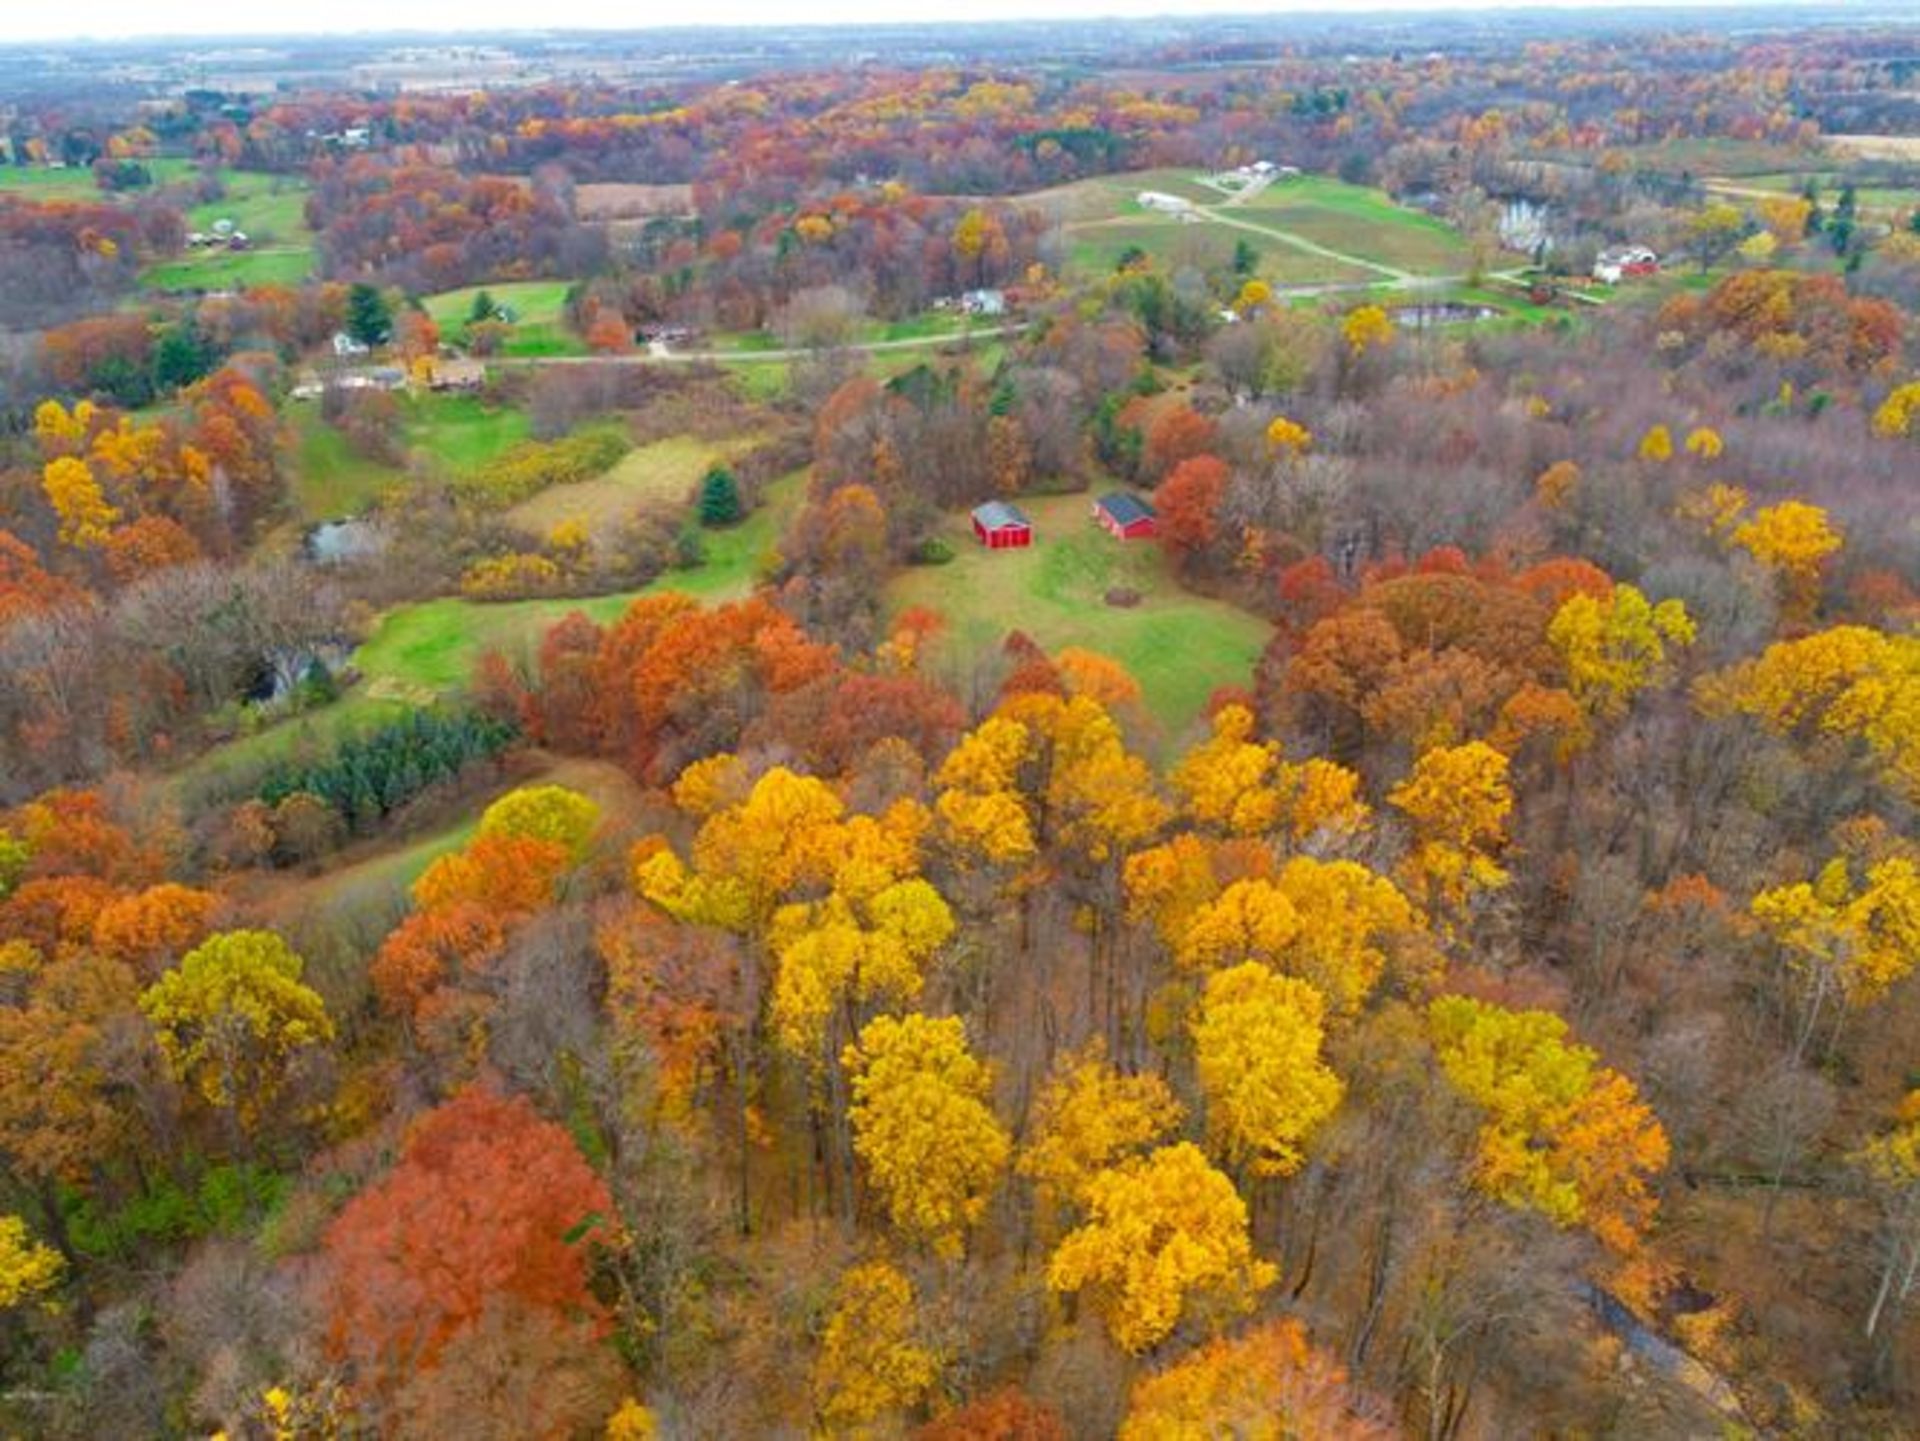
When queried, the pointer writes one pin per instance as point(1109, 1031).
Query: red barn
point(1126, 517)
point(1000, 526)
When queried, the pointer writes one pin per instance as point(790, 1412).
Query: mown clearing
point(1179, 646)
point(460, 432)
point(1354, 228)
point(539, 326)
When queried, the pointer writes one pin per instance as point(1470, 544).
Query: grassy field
point(41, 182)
point(1179, 646)
point(1891, 201)
point(1096, 248)
point(271, 210)
point(329, 480)
point(1359, 221)
point(1103, 219)
point(539, 308)
point(459, 431)
point(231, 270)
point(462, 431)
point(430, 649)
point(666, 471)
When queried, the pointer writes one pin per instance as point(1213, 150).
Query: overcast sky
point(108, 19)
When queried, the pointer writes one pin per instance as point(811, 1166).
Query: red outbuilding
point(1000, 526)
point(1126, 517)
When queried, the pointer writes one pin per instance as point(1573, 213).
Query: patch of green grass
point(1356, 220)
point(463, 432)
point(231, 269)
point(329, 480)
point(41, 182)
point(539, 308)
point(1204, 245)
point(1178, 645)
point(430, 649)
point(236, 764)
point(269, 208)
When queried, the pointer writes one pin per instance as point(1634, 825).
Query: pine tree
point(369, 317)
point(719, 499)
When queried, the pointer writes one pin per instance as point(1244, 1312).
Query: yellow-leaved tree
point(1847, 686)
point(1562, 1136)
point(1256, 1042)
point(1368, 327)
point(932, 1146)
point(1270, 1383)
point(1235, 785)
point(86, 516)
point(1458, 800)
point(544, 813)
point(28, 1270)
point(872, 1363)
point(1165, 1238)
point(1086, 1118)
point(1793, 540)
point(1843, 941)
point(232, 1017)
point(1615, 648)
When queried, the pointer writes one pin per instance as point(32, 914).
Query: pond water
point(338, 541)
point(1445, 312)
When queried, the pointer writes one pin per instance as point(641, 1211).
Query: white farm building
point(1164, 203)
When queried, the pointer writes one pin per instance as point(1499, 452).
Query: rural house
point(1126, 517)
point(1000, 526)
point(1624, 262)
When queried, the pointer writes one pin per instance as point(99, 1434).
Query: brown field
point(632, 202)
point(664, 473)
point(1878, 147)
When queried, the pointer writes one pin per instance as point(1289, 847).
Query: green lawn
point(329, 480)
point(462, 431)
point(1107, 220)
point(231, 269)
point(459, 431)
point(539, 308)
point(270, 208)
point(1178, 645)
point(1096, 249)
point(432, 647)
point(1359, 221)
point(41, 182)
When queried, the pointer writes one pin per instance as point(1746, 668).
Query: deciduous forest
point(1212, 733)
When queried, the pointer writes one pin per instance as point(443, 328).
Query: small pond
point(337, 542)
point(1441, 312)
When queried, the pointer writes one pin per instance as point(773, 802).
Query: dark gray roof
point(998, 514)
point(1126, 509)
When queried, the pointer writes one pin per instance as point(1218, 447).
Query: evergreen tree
point(482, 309)
point(180, 357)
point(719, 499)
point(369, 317)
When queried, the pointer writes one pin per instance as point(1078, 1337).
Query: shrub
point(515, 576)
point(532, 467)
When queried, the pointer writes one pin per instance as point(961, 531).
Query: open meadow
point(538, 328)
point(1181, 647)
